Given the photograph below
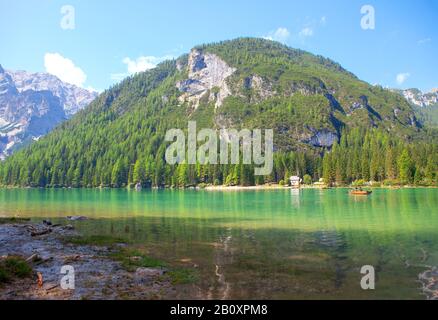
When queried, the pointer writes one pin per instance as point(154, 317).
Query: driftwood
point(32, 258)
point(416, 265)
point(52, 287)
point(41, 261)
point(40, 233)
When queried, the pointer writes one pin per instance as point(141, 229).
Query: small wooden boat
point(360, 192)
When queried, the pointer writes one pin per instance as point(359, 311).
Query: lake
point(262, 244)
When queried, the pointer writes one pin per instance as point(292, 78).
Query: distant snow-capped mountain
point(420, 99)
point(424, 104)
point(32, 104)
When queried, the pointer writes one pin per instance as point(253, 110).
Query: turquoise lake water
point(279, 244)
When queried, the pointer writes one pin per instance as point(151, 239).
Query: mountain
point(32, 104)
point(312, 103)
point(425, 104)
point(420, 99)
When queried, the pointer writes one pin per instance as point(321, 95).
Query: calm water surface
point(282, 244)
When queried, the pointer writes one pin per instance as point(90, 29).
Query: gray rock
point(206, 72)
point(76, 218)
point(32, 104)
point(323, 138)
point(429, 281)
point(71, 97)
point(149, 272)
point(420, 99)
point(261, 88)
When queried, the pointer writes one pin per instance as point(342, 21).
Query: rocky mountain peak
point(420, 99)
point(32, 104)
point(6, 84)
point(72, 98)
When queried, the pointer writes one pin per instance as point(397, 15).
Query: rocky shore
point(97, 276)
point(429, 282)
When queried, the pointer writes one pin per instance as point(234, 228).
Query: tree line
point(360, 156)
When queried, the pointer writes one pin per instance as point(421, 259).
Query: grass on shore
point(183, 276)
point(133, 258)
point(13, 267)
point(11, 220)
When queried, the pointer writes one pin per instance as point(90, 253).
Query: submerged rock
point(429, 281)
point(76, 218)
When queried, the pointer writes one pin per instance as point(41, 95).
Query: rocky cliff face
point(207, 76)
point(420, 99)
point(32, 104)
point(71, 97)
point(309, 99)
point(424, 104)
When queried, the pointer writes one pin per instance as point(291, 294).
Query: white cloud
point(64, 69)
point(402, 77)
point(423, 41)
point(323, 20)
point(139, 64)
point(281, 35)
point(306, 32)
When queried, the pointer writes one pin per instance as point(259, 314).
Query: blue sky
point(111, 39)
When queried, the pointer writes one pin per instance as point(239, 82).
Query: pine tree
point(405, 167)
point(328, 172)
point(116, 174)
point(139, 173)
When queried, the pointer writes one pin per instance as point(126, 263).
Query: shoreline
point(225, 188)
point(304, 187)
point(103, 268)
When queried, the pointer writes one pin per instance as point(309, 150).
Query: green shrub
point(132, 259)
point(358, 183)
point(391, 182)
point(14, 267)
point(307, 179)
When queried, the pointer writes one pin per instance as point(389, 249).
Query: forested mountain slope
point(312, 103)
